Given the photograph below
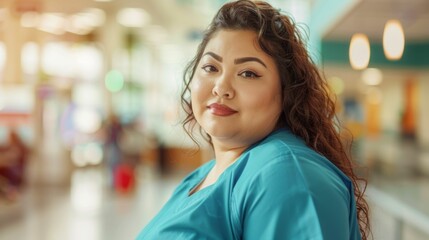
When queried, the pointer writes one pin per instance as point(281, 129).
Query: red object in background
point(14, 118)
point(124, 178)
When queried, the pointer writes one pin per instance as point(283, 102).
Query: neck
point(225, 156)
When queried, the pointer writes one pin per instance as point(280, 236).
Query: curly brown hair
point(307, 107)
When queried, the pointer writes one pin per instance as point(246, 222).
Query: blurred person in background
point(113, 154)
point(280, 170)
point(13, 159)
point(131, 143)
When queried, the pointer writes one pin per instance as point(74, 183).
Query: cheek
point(276, 99)
point(265, 101)
point(200, 92)
point(200, 88)
point(195, 91)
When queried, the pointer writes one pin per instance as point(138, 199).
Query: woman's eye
point(209, 68)
point(249, 74)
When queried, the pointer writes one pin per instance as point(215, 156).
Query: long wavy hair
point(307, 107)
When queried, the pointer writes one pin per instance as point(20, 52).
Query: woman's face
point(236, 90)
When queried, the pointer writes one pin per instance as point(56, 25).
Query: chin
point(220, 132)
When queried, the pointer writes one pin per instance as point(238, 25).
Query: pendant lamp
point(359, 51)
point(393, 40)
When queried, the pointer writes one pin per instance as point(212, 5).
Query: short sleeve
point(282, 203)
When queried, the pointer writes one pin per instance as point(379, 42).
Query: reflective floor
point(87, 209)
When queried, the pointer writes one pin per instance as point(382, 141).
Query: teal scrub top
point(277, 189)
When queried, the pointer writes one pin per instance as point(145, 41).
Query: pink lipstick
point(220, 109)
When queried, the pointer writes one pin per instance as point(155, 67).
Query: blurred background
point(91, 144)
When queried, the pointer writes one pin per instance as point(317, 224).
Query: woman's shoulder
point(281, 145)
point(283, 179)
point(284, 157)
point(281, 141)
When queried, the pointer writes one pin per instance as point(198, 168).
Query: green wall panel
point(416, 54)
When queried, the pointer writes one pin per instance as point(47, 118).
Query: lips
point(221, 110)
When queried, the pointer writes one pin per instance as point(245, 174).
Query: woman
point(280, 168)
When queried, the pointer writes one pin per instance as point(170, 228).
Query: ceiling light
point(78, 24)
point(95, 16)
point(133, 17)
point(393, 40)
point(359, 51)
point(86, 21)
point(52, 23)
point(87, 120)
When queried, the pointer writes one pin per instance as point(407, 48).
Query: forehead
point(241, 42)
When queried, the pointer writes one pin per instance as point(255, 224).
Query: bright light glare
point(393, 40)
point(86, 120)
point(88, 62)
point(79, 24)
point(87, 154)
point(96, 16)
point(359, 52)
point(87, 94)
point(77, 156)
point(84, 22)
point(53, 23)
point(57, 59)
point(30, 58)
point(93, 153)
point(17, 97)
point(86, 191)
point(133, 17)
point(84, 62)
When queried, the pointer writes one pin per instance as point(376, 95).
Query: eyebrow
point(249, 59)
point(214, 55)
point(238, 60)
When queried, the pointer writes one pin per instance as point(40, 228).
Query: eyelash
point(253, 74)
point(205, 68)
point(211, 68)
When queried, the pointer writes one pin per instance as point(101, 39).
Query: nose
point(223, 89)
